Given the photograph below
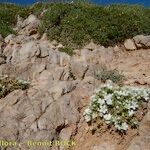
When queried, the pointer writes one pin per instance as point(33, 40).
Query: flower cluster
point(116, 105)
point(8, 85)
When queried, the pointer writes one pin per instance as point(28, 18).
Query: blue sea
point(102, 2)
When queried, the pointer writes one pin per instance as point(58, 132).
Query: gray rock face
point(29, 26)
point(26, 53)
point(129, 44)
point(142, 41)
point(79, 68)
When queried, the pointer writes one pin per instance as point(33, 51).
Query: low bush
point(8, 17)
point(117, 106)
point(8, 85)
point(66, 50)
point(104, 74)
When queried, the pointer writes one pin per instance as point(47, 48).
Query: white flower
point(109, 84)
point(101, 101)
point(108, 99)
point(131, 105)
point(134, 105)
point(88, 111)
point(124, 126)
point(125, 99)
point(101, 114)
point(130, 112)
point(103, 109)
point(92, 97)
point(117, 126)
point(107, 118)
point(87, 118)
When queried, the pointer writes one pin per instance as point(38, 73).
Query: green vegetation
point(104, 74)
point(116, 106)
point(8, 85)
point(67, 50)
point(76, 24)
point(8, 17)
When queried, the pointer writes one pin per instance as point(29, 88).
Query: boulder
point(129, 44)
point(69, 108)
point(54, 57)
point(30, 25)
point(57, 73)
point(64, 59)
point(91, 46)
point(142, 41)
point(61, 88)
point(8, 50)
point(44, 50)
point(26, 53)
point(79, 68)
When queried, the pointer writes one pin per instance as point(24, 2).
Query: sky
point(141, 2)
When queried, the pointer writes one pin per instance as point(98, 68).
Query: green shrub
point(117, 106)
point(104, 74)
point(9, 13)
point(67, 50)
point(5, 29)
point(8, 85)
point(76, 24)
point(8, 17)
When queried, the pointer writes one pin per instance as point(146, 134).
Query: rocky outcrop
point(142, 41)
point(28, 26)
point(138, 42)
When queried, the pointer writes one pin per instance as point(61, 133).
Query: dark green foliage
point(9, 13)
point(5, 29)
point(76, 24)
point(8, 17)
point(67, 50)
